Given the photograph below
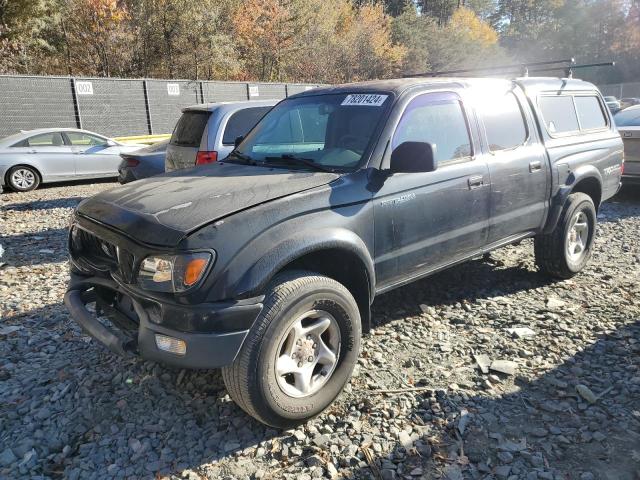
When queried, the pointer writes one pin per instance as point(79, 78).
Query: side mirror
point(413, 157)
point(238, 140)
point(111, 143)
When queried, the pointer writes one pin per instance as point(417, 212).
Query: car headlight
point(173, 273)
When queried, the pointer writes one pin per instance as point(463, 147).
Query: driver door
point(425, 221)
point(93, 155)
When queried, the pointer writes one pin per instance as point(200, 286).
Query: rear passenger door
point(53, 157)
point(517, 162)
point(427, 220)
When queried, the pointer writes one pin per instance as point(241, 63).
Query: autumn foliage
point(310, 40)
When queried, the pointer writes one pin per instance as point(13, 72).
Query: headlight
point(173, 273)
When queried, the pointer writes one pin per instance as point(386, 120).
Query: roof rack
point(523, 69)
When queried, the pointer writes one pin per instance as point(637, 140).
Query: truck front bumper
point(228, 324)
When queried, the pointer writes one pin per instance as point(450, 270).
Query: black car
point(266, 263)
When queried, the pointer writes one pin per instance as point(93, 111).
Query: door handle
point(476, 181)
point(535, 166)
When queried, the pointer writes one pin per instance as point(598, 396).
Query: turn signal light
point(194, 271)
point(171, 345)
point(133, 162)
point(203, 157)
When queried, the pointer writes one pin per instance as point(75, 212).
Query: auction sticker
point(364, 99)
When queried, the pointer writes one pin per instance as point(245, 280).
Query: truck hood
point(162, 210)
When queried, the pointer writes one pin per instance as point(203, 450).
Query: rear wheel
point(567, 249)
point(23, 179)
point(300, 352)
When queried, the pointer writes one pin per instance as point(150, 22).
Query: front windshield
point(628, 118)
point(331, 131)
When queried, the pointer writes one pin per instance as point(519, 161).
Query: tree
point(464, 42)
point(267, 32)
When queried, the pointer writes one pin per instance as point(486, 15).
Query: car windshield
point(332, 132)
point(628, 118)
point(610, 99)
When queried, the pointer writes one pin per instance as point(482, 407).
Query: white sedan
point(48, 155)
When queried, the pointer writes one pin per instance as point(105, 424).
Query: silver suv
point(206, 133)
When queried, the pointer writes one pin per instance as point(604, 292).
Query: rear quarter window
point(559, 114)
point(188, 131)
point(241, 122)
point(590, 112)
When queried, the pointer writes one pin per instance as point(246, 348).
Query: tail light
point(204, 157)
point(132, 162)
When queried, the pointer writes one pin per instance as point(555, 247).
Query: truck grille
point(101, 255)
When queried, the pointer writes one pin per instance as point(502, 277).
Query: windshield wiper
point(291, 159)
point(242, 157)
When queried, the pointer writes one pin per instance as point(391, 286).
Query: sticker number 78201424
point(364, 99)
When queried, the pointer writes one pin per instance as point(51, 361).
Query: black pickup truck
point(266, 263)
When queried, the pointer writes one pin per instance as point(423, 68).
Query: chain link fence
point(114, 106)
point(622, 90)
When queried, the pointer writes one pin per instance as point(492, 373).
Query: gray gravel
point(560, 398)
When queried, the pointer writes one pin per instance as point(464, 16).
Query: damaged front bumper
point(130, 325)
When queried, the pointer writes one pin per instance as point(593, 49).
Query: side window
point(559, 114)
point(46, 140)
point(79, 139)
point(503, 122)
point(590, 112)
point(439, 120)
point(241, 122)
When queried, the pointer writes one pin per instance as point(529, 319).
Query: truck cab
point(266, 264)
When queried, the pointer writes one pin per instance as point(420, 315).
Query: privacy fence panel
point(35, 102)
point(267, 91)
point(224, 91)
point(167, 99)
point(117, 107)
point(114, 108)
point(293, 88)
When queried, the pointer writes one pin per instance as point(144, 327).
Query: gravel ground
point(559, 399)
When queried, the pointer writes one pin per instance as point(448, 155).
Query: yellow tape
point(145, 139)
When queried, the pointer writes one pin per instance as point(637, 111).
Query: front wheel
point(300, 352)
point(567, 249)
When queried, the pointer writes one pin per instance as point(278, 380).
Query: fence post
point(147, 106)
point(76, 104)
point(201, 84)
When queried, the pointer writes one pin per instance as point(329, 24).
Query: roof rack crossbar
point(522, 67)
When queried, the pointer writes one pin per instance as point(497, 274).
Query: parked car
point(629, 102)
point(613, 103)
point(143, 163)
point(206, 133)
point(32, 157)
point(266, 263)
point(628, 122)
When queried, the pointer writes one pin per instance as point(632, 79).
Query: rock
point(388, 474)
point(502, 471)
point(504, 366)
point(586, 393)
point(10, 329)
point(315, 461)
point(332, 470)
point(483, 362)
point(320, 440)
point(505, 457)
point(521, 332)
point(554, 303)
point(7, 457)
point(405, 440)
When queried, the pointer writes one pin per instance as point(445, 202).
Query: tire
point(554, 252)
point(252, 380)
point(23, 179)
